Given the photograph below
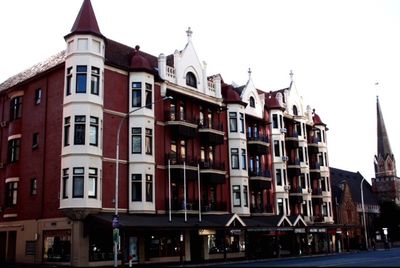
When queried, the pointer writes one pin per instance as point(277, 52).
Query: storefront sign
point(207, 232)
point(300, 230)
point(236, 232)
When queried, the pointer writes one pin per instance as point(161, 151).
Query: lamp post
point(363, 211)
point(115, 218)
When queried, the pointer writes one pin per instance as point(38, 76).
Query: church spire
point(85, 22)
point(384, 148)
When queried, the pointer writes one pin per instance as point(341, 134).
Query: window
point(149, 141)
point(275, 121)
point(201, 117)
point(35, 140)
point(136, 187)
point(235, 158)
point(252, 102)
point(173, 152)
point(11, 193)
point(182, 113)
point(241, 119)
point(67, 121)
point(149, 95)
point(305, 209)
point(280, 206)
point(136, 140)
point(245, 196)
point(65, 177)
point(301, 154)
point(92, 191)
point(136, 94)
point(94, 131)
point(236, 195)
point(79, 134)
point(33, 186)
point(210, 154)
point(38, 96)
point(77, 182)
point(210, 119)
point(149, 188)
point(276, 148)
point(295, 112)
point(83, 44)
point(172, 111)
point(81, 77)
point(57, 245)
point(16, 108)
point(13, 150)
point(202, 154)
point(191, 80)
point(278, 177)
point(244, 159)
point(233, 122)
point(95, 81)
point(69, 81)
point(183, 149)
point(325, 209)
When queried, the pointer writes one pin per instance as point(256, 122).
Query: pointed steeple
point(384, 148)
point(85, 22)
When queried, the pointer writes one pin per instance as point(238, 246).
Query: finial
point(291, 75)
point(137, 47)
point(189, 33)
point(249, 72)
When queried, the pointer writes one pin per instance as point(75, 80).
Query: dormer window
point(252, 102)
point(191, 80)
point(295, 112)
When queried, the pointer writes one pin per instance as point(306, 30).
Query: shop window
point(233, 241)
point(57, 245)
point(164, 244)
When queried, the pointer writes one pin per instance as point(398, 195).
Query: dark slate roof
point(230, 95)
point(85, 22)
point(271, 102)
point(33, 71)
point(384, 148)
point(317, 120)
point(353, 180)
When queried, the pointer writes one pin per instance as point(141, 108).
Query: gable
point(250, 92)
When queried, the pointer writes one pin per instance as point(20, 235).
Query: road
point(379, 258)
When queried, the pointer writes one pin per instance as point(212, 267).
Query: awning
point(157, 221)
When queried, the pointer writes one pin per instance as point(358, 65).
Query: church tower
point(386, 184)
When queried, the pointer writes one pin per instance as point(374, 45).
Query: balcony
point(178, 204)
point(296, 195)
point(258, 145)
point(315, 171)
point(211, 134)
point(213, 206)
point(316, 196)
point(181, 128)
point(292, 140)
point(254, 209)
point(313, 145)
point(260, 179)
point(178, 164)
point(294, 168)
point(212, 172)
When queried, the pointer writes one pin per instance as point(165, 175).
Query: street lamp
point(363, 211)
point(115, 218)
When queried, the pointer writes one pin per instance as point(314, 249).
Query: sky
point(338, 51)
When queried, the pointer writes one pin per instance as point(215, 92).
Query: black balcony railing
point(212, 165)
point(261, 208)
point(177, 159)
point(260, 173)
point(261, 138)
point(207, 125)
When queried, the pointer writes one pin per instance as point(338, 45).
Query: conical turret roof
point(85, 22)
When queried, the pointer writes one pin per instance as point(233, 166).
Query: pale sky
point(337, 50)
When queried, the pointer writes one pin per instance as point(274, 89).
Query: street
point(379, 258)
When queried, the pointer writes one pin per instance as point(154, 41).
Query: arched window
point(252, 102)
point(295, 112)
point(191, 80)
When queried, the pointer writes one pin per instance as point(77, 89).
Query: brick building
point(206, 170)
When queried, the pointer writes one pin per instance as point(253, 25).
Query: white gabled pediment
point(294, 99)
point(250, 92)
point(187, 63)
